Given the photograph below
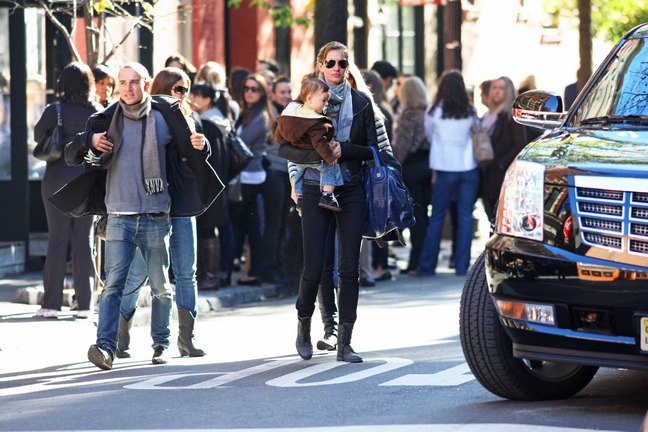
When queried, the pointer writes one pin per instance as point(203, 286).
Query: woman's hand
point(335, 147)
point(198, 141)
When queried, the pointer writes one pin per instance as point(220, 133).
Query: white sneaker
point(47, 313)
point(83, 314)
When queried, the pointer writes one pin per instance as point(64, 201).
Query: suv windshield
point(621, 93)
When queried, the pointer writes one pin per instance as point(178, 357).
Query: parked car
point(562, 287)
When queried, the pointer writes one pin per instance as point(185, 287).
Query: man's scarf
point(151, 170)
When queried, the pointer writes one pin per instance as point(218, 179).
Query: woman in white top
point(448, 123)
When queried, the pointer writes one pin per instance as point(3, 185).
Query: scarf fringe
point(154, 186)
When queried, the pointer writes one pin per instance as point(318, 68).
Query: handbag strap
point(377, 160)
point(59, 117)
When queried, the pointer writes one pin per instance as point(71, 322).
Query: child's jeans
point(330, 175)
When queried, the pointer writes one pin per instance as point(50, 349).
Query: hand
point(198, 141)
point(335, 147)
point(101, 143)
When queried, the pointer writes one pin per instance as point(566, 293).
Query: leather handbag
point(389, 204)
point(482, 146)
point(50, 147)
point(240, 154)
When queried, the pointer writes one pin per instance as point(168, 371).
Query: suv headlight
point(521, 211)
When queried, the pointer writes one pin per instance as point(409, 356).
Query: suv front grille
point(612, 218)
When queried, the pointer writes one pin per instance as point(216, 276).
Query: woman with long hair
point(215, 234)
point(507, 137)
point(353, 118)
point(76, 93)
point(254, 126)
point(448, 123)
point(412, 149)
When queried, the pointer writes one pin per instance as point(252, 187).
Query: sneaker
point(160, 355)
point(83, 314)
point(328, 201)
point(47, 313)
point(100, 357)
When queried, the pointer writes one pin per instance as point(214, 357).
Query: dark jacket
point(192, 182)
point(354, 151)
point(306, 132)
point(218, 213)
point(508, 139)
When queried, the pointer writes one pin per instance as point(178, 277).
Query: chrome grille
point(610, 218)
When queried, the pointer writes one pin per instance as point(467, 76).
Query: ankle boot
point(208, 264)
point(329, 341)
point(123, 337)
point(303, 344)
point(186, 346)
point(344, 350)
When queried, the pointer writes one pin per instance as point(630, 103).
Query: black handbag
point(240, 154)
point(50, 147)
point(389, 204)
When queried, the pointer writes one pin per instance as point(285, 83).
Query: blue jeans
point(182, 248)
point(330, 175)
point(464, 186)
point(124, 235)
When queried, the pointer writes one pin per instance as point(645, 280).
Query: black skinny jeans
point(316, 222)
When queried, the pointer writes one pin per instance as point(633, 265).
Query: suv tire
point(489, 351)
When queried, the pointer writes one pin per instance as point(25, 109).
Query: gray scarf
point(341, 110)
point(151, 170)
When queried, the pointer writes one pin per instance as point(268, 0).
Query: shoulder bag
point(389, 204)
point(239, 153)
point(50, 147)
point(482, 147)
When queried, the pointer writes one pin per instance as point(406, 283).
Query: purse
point(482, 146)
point(50, 147)
point(389, 204)
point(239, 153)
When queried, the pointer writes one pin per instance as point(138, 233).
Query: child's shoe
point(328, 201)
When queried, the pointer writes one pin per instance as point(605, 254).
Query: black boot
point(208, 264)
point(186, 346)
point(123, 337)
point(329, 341)
point(303, 344)
point(344, 350)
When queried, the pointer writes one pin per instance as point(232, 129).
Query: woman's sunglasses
point(180, 89)
point(255, 89)
point(331, 63)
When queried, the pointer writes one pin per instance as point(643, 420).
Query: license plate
point(643, 334)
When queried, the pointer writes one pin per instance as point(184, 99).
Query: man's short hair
point(140, 69)
point(385, 69)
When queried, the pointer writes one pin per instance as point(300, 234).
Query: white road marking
point(450, 377)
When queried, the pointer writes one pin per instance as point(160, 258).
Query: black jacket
point(354, 151)
point(193, 184)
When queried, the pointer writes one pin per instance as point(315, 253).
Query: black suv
point(562, 287)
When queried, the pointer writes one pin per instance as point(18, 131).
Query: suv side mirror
point(539, 109)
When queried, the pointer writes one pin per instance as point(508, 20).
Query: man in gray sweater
point(138, 201)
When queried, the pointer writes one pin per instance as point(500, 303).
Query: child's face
point(318, 100)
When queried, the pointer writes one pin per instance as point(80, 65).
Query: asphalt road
point(414, 377)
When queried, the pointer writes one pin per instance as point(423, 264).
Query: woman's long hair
point(76, 84)
point(511, 94)
point(248, 113)
point(165, 80)
point(452, 94)
point(413, 94)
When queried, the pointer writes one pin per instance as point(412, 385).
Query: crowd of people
point(155, 154)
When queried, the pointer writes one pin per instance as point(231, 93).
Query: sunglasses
point(180, 89)
point(331, 63)
point(255, 89)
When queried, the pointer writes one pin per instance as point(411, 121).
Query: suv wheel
point(489, 353)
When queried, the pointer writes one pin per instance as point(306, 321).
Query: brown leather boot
point(208, 264)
